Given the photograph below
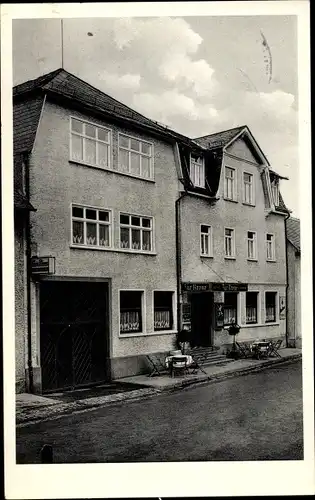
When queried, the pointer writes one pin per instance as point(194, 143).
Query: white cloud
point(127, 81)
point(179, 68)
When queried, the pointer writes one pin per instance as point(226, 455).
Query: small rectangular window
point(130, 312)
point(230, 308)
point(230, 183)
point(91, 227)
point(163, 310)
point(197, 170)
point(270, 305)
point(136, 233)
point(251, 307)
point(135, 157)
point(229, 242)
point(89, 143)
point(206, 241)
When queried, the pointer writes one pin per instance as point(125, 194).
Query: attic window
point(197, 170)
point(275, 191)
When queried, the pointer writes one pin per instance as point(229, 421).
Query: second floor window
point(197, 171)
point(270, 247)
point(230, 183)
point(135, 157)
point(229, 242)
point(206, 241)
point(251, 245)
point(90, 143)
point(136, 232)
point(248, 188)
point(91, 227)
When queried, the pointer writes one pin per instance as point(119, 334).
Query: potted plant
point(233, 329)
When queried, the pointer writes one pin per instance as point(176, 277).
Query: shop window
point(130, 311)
point(251, 307)
point(163, 310)
point(230, 308)
point(270, 307)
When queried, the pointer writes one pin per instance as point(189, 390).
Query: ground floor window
point(230, 308)
point(130, 311)
point(251, 307)
point(163, 310)
point(270, 306)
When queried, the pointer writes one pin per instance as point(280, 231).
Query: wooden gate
point(73, 334)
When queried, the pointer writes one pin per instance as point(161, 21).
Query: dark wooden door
point(73, 334)
point(201, 319)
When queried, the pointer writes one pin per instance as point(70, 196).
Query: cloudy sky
point(198, 75)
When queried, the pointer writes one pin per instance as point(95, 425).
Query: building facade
point(233, 266)
point(294, 282)
point(133, 233)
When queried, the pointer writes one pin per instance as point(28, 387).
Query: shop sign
point(214, 287)
point(43, 265)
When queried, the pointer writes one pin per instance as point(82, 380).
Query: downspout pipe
point(178, 256)
point(28, 280)
point(287, 281)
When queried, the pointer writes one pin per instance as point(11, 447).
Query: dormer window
point(275, 192)
point(197, 170)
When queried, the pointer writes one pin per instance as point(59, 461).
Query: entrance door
point(73, 333)
point(201, 319)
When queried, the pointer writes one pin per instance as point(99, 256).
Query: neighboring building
point(138, 232)
point(294, 282)
point(232, 241)
point(104, 182)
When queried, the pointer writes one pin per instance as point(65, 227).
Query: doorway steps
point(207, 356)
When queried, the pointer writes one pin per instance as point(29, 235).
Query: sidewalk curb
point(59, 410)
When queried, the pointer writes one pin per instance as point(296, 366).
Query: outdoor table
point(187, 360)
point(261, 347)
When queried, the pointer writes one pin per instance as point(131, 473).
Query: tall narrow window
point(248, 189)
point(270, 246)
point(275, 192)
point(136, 232)
point(230, 308)
point(130, 312)
point(163, 310)
point(251, 307)
point(251, 245)
point(270, 304)
point(206, 241)
point(135, 157)
point(229, 242)
point(90, 143)
point(91, 227)
point(230, 183)
point(197, 170)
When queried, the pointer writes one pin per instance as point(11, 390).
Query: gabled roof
point(219, 139)
point(64, 84)
point(293, 232)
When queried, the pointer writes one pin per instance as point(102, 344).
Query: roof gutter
point(287, 281)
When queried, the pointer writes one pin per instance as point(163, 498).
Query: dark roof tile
point(293, 232)
point(219, 139)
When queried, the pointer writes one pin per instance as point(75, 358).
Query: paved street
point(253, 417)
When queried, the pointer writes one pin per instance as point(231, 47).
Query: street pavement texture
point(254, 417)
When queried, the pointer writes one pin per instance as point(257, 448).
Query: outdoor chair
point(274, 348)
point(244, 349)
point(158, 364)
point(197, 361)
point(179, 365)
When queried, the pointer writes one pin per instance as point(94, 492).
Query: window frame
point(273, 247)
point(257, 322)
point(276, 314)
point(110, 224)
point(237, 309)
point(109, 145)
point(203, 171)
point(130, 226)
point(143, 313)
point(233, 256)
point(210, 241)
point(234, 184)
point(174, 327)
point(255, 246)
point(252, 185)
point(131, 137)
